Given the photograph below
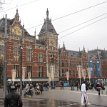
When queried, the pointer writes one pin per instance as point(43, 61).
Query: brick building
point(27, 56)
point(40, 59)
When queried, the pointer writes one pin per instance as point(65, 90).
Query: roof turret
point(17, 15)
point(47, 26)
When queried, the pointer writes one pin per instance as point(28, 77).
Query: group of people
point(13, 99)
point(30, 89)
point(17, 86)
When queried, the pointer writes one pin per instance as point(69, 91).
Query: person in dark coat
point(41, 87)
point(98, 87)
point(13, 99)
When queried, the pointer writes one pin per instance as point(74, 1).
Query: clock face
point(52, 42)
point(16, 30)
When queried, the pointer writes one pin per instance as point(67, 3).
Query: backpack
point(86, 87)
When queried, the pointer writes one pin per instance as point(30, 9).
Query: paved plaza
point(62, 98)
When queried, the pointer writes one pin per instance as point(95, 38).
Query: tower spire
point(47, 13)
point(63, 46)
point(17, 15)
point(35, 32)
point(48, 26)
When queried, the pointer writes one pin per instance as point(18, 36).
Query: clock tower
point(49, 37)
point(16, 28)
point(48, 33)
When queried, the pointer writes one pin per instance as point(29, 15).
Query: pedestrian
point(62, 85)
point(98, 87)
point(8, 87)
point(41, 87)
point(18, 87)
point(77, 85)
point(84, 96)
point(13, 99)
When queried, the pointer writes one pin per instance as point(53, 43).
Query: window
point(40, 57)
point(29, 53)
point(29, 72)
point(62, 63)
point(16, 53)
point(16, 68)
point(40, 71)
point(1, 51)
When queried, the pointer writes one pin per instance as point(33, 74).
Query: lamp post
point(5, 59)
point(21, 70)
point(21, 41)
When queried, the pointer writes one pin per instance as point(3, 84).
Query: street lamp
point(21, 41)
point(5, 58)
point(21, 70)
point(21, 65)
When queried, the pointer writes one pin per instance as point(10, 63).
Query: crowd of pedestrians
point(29, 89)
point(13, 98)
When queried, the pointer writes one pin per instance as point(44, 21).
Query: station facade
point(42, 59)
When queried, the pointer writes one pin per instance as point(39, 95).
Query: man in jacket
point(13, 99)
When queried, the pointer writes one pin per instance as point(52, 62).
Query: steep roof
point(47, 26)
point(2, 24)
point(97, 53)
point(10, 22)
point(73, 53)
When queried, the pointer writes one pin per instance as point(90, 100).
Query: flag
point(83, 73)
point(89, 72)
point(98, 68)
point(90, 68)
point(79, 68)
point(13, 75)
point(67, 75)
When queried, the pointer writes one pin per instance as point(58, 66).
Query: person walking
point(41, 87)
point(98, 87)
point(84, 96)
point(13, 99)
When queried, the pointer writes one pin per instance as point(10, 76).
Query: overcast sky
point(79, 23)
